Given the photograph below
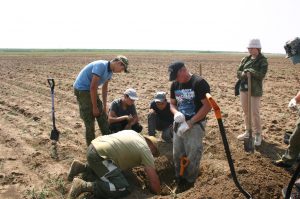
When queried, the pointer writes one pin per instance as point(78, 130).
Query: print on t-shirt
point(185, 101)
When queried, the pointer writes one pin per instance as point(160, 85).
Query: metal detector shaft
point(218, 115)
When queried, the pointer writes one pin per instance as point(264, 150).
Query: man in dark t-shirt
point(122, 113)
point(160, 118)
point(190, 107)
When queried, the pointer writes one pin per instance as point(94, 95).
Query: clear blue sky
point(215, 25)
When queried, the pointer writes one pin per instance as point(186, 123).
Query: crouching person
point(108, 156)
point(161, 118)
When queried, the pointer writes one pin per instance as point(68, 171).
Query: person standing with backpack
point(190, 107)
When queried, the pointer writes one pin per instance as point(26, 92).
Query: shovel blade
point(54, 134)
point(249, 144)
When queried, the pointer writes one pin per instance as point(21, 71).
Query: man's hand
point(179, 117)
point(96, 112)
point(129, 118)
point(293, 105)
point(183, 127)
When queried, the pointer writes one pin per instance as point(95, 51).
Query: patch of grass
point(33, 194)
point(58, 184)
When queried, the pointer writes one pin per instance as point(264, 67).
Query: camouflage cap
point(124, 60)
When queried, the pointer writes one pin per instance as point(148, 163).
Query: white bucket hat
point(254, 43)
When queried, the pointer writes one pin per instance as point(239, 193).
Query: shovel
point(54, 135)
point(184, 162)
point(218, 115)
point(249, 141)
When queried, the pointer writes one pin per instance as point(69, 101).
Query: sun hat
point(152, 139)
point(160, 96)
point(131, 94)
point(254, 43)
point(173, 69)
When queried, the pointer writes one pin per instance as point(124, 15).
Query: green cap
point(124, 60)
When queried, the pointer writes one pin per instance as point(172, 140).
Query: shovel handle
point(184, 162)
point(214, 105)
point(51, 83)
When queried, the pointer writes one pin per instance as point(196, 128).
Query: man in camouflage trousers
point(92, 76)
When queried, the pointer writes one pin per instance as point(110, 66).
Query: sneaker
point(76, 168)
point(282, 163)
point(243, 136)
point(257, 139)
point(79, 186)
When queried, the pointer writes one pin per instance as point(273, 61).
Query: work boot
point(183, 185)
point(257, 139)
point(78, 187)
point(282, 163)
point(243, 136)
point(76, 168)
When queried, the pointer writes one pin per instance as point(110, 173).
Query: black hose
point(291, 183)
point(230, 162)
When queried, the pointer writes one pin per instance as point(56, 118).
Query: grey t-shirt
point(116, 106)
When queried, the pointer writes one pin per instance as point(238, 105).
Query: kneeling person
point(122, 113)
point(161, 118)
point(108, 156)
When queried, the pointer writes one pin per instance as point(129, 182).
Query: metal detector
point(54, 135)
point(249, 141)
point(218, 115)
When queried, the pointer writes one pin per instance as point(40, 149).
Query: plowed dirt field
point(27, 171)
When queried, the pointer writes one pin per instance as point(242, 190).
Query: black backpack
point(292, 47)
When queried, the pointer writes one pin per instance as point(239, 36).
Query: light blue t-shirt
point(99, 68)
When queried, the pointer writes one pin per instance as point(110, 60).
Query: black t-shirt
point(165, 114)
point(116, 106)
point(189, 95)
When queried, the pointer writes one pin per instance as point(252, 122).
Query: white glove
point(182, 128)
point(179, 117)
point(293, 105)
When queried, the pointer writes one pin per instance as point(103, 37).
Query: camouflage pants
point(293, 149)
point(86, 114)
point(110, 182)
point(189, 145)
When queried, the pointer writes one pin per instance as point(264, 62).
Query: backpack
point(292, 47)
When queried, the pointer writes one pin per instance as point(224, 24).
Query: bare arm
point(202, 112)
point(93, 93)
point(173, 106)
point(113, 118)
point(297, 97)
point(153, 179)
point(104, 95)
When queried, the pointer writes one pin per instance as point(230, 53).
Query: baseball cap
point(124, 60)
point(173, 69)
point(160, 96)
point(131, 94)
